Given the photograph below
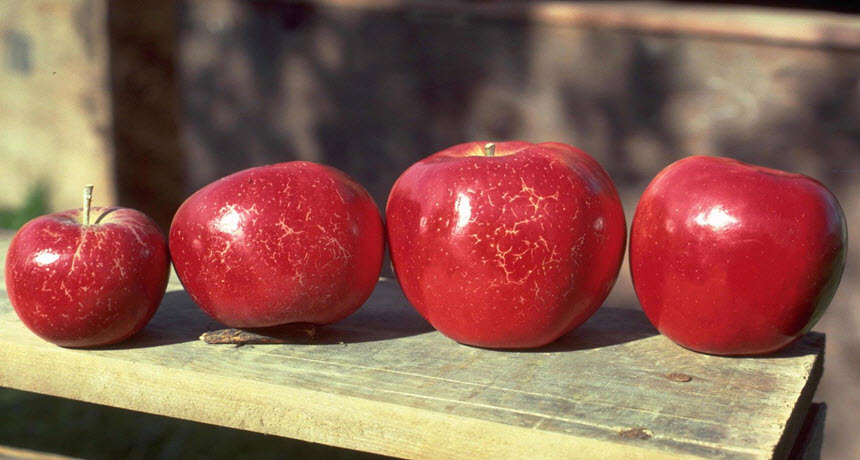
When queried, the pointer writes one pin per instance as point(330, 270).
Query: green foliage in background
point(83, 430)
point(35, 205)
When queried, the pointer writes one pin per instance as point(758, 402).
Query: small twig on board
point(242, 337)
point(678, 377)
point(636, 433)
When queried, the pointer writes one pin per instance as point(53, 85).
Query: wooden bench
point(383, 381)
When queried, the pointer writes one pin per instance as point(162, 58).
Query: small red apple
point(87, 277)
point(284, 243)
point(507, 245)
point(734, 259)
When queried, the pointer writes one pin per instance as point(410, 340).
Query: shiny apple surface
point(284, 243)
point(734, 259)
point(506, 251)
point(87, 285)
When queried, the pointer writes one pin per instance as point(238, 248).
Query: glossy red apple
point(506, 249)
point(733, 259)
point(87, 277)
point(284, 243)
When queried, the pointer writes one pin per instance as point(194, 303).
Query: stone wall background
point(156, 102)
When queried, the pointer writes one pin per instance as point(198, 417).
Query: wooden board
point(383, 381)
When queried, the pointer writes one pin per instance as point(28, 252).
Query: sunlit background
point(151, 102)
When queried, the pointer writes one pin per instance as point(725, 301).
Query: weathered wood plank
point(383, 381)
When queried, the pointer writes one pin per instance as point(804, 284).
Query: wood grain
point(383, 381)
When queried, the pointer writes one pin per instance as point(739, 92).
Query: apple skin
point(509, 251)
point(734, 259)
point(81, 285)
point(293, 242)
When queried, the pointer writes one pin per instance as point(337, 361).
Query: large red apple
point(87, 277)
point(506, 246)
point(733, 259)
point(284, 243)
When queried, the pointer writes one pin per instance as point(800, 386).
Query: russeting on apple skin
point(506, 245)
point(293, 242)
point(86, 285)
point(729, 258)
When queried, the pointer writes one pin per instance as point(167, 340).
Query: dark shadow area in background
point(380, 89)
point(632, 105)
point(91, 431)
point(408, 85)
point(145, 100)
point(823, 136)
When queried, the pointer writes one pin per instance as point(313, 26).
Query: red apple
point(284, 243)
point(733, 259)
point(87, 277)
point(510, 248)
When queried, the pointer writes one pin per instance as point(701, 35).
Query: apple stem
point(88, 199)
point(489, 149)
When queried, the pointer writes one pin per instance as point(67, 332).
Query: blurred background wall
point(55, 114)
point(154, 102)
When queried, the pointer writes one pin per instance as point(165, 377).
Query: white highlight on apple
point(46, 257)
point(717, 218)
point(464, 211)
point(229, 221)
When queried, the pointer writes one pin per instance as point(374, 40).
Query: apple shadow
point(385, 316)
point(615, 325)
point(808, 344)
point(177, 320)
point(609, 326)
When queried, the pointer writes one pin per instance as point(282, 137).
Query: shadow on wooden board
point(387, 315)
